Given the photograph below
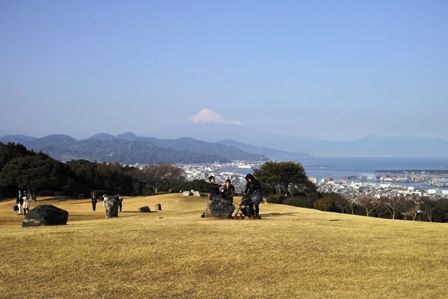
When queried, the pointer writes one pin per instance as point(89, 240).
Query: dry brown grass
point(292, 252)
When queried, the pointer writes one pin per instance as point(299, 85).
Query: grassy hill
point(291, 252)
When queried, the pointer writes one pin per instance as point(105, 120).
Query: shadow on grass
point(268, 215)
point(138, 212)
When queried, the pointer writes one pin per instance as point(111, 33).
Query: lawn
point(291, 252)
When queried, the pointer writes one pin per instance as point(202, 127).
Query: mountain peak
point(127, 135)
point(102, 137)
point(209, 116)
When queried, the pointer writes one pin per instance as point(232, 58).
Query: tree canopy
point(285, 178)
point(31, 171)
point(20, 168)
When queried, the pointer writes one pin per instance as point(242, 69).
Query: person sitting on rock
point(228, 191)
point(217, 206)
point(213, 188)
point(253, 197)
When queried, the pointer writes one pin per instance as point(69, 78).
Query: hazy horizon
point(329, 70)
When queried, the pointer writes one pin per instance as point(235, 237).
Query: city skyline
point(335, 71)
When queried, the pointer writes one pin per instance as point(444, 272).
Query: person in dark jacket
point(213, 188)
point(228, 191)
point(119, 198)
point(253, 197)
point(94, 200)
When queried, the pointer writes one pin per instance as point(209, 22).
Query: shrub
point(303, 202)
point(331, 202)
point(326, 203)
point(273, 198)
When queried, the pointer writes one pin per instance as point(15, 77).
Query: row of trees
point(38, 173)
point(395, 207)
point(20, 168)
point(287, 183)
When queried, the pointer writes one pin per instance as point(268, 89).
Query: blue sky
point(326, 69)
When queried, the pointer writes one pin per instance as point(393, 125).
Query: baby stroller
point(245, 209)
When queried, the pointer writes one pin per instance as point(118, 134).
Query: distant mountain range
point(224, 140)
point(130, 148)
point(211, 126)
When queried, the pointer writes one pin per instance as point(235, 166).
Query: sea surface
point(323, 167)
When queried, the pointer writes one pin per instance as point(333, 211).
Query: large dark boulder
point(45, 215)
point(144, 209)
point(220, 208)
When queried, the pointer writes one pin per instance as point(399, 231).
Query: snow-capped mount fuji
point(208, 116)
point(207, 125)
point(212, 126)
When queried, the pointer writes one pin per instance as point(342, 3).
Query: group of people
point(23, 202)
point(225, 191)
point(249, 204)
point(252, 197)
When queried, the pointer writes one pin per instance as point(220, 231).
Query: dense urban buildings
point(381, 183)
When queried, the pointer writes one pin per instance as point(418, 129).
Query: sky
point(335, 70)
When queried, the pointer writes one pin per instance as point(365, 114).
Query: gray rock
point(45, 215)
point(144, 209)
point(111, 206)
point(158, 207)
point(220, 208)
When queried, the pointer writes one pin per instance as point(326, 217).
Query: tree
point(282, 177)
point(198, 185)
point(84, 169)
point(167, 175)
point(351, 201)
point(411, 207)
point(341, 203)
point(429, 205)
point(10, 151)
point(393, 205)
point(368, 203)
point(35, 172)
point(441, 210)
